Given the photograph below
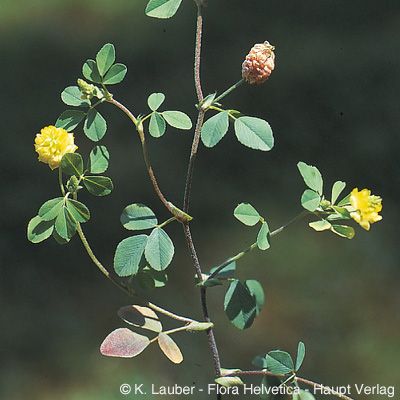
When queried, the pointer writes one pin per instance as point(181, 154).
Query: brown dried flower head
point(259, 63)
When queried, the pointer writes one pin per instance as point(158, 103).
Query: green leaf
point(72, 97)
point(140, 317)
point(254, 133)
point(51, 208)
point(78, 211)
point(65, 224)
point(247, 214)
point(137, 216)
point(345, 201)
point(70, 119)
point(310, 200)
point(303, 395)
point(157, 125)
point(337, 189)
point(128, 254)
point(98, 160)
point(124, 343)
point(72, 164)
point(240, 305)
point(150, 279)
point(115, 74)
point(301, 353)
point(257, 291)
point(105, 58)
point(343, 231)
point(39, 230)
point(214, 129)
point(159, 249)
point(98, 185)
point(229, 381)
point(162, 8)
point(260, 362)
point(279, 362)
point(177, 119)
point(320, 226)
point(312, 177)
point(59, 239)
point(95, 125)
point(91, 72)
point(263, 237)
point(160, 278)
point(155, 100)
point(226, 273)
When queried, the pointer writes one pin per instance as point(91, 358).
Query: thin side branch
point(146, 157)
point(126, 290)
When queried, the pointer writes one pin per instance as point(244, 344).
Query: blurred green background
point(332, 101)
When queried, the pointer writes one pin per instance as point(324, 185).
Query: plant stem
point(170, 332)
point(126, 290)
point(146, 156)
point(168, 221)
point(186, 200)
point(231, 89)
point(297, 379)
point(60, 182)
point(254, 245)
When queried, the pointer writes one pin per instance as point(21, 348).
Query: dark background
point(333, 101)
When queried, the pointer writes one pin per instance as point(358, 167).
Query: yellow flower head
point(365, 207)
point(52, 143)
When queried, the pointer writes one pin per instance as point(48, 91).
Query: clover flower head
point(259, 63)
point(365, 207)
point(52, 143)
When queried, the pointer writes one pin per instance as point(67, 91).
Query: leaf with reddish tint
point(141, 317)
point(123, 343)
point(170, 348)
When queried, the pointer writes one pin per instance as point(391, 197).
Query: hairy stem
point(297, 379)
point(188, 235)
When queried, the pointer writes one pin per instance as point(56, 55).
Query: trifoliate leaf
point(138, 216)
point(98, 160)
point(310, 200)
point(170, 348)
point(162, 8)
point(312, 177)
point(39, 230)
point(159, 249)
point(105, 58)
point(214, 129)
point(155, 100)
point(247, 214)
point(254, 133)
point(115, 74)
point(70, 119)
point(124, 343)
point(128, 255)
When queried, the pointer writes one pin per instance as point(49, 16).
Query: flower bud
point(259, 64)
point(88, 90)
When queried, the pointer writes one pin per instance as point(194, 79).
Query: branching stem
point(146, 156)
point(238, 256)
